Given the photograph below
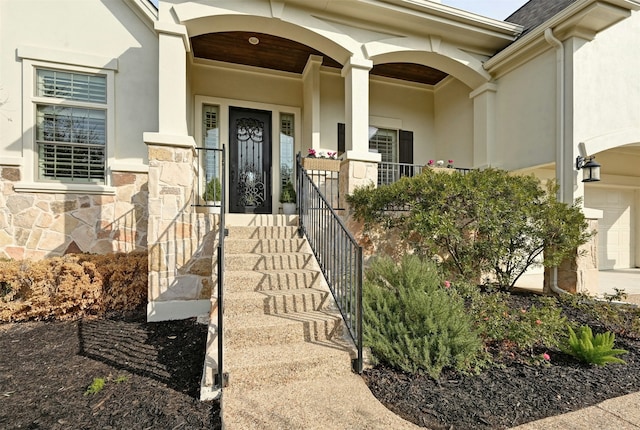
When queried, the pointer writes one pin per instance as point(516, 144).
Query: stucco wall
point(607, 87)
point(413, 106)
point(108, 29)
point(526, 115)
point(454, 123)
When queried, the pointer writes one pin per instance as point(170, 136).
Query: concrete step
point(256, 280)
point(337, 403)
point(265, 246)
point(269, 261)
point(257, 367)
point(253, 232)
point(254, 330)
point(276, 302)
point(260, 220)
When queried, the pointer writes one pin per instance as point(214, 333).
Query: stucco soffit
point(582, 19)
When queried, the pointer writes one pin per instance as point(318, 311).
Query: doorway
point(249, 161)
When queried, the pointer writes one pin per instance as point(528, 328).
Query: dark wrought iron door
point(250, 161)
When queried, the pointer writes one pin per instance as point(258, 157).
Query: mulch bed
point(152, 373)
point(46, 367)
point(515, 394)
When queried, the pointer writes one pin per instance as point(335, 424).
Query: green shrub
point(514, 329)
point(594, 350)
point(412, 321)
point(483, 223)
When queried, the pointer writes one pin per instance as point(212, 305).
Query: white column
point(311, 95)
point(356, 97)
point(484, 124)
point(173, 46)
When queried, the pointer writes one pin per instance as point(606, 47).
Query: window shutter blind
point(341, 137)
point(405, 152)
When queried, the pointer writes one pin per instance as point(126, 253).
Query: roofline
point(584, 18)
point(145, 10)
point(460, 15)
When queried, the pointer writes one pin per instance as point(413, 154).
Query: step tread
point(274, 320)
point(267, 355)
point(260, 295)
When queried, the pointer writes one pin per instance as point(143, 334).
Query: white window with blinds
point(71, 126)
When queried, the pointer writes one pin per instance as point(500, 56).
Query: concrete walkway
point(620, 413)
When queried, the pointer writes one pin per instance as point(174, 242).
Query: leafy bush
point(514, 329)
point(413, 321)
point(484, 222)
point(594, 350)
point(72, 286)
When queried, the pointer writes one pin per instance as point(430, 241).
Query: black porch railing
point(389, 173)
point(212, 162)
point(337, 252)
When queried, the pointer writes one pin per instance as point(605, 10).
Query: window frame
point(31, 177)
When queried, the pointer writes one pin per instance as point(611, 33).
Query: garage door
point(614, 229)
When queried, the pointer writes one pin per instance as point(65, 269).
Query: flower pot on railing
point(326, 164)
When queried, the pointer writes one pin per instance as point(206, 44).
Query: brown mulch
point(153, 370)
point(152, 373)
point(504, 397)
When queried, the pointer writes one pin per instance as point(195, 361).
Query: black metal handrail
point(219, 196)
point(222, 377)
point(337, 252)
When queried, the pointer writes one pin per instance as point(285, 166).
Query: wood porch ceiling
point(277, 53)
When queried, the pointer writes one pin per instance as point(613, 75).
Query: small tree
point(483, 223)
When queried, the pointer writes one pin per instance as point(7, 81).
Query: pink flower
point(312, 152)
point(450, 161)
point(546, 356)
point(538, 322)
point(331, 154)
point(430, 163)
point(447, 284)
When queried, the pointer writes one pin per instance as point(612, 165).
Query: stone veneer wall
point(181, 240)
point(39, 225)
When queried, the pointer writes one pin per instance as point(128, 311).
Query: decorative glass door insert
point(250, 160)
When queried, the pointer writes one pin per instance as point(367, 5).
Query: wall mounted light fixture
point(590, 168)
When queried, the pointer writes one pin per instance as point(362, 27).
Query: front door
point(250, 161)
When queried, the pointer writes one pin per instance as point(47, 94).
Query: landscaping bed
point(151, 374)
point(516, 391)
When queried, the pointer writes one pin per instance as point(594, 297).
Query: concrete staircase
point(287, 352)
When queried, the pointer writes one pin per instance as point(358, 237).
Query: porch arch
point(456, 63)
point(339, 47)
point(613, 140)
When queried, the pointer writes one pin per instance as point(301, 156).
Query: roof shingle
point(535, 12)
